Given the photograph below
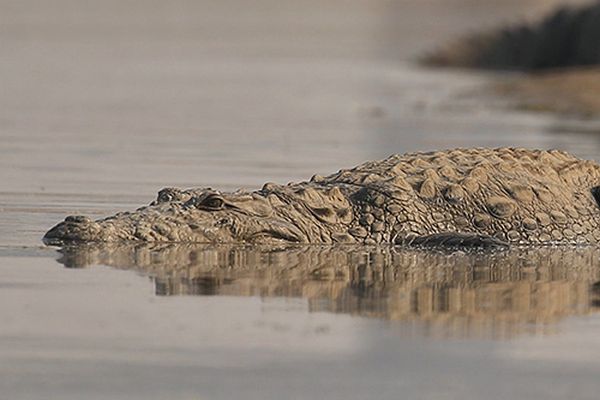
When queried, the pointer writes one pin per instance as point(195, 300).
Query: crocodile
point(460, 197)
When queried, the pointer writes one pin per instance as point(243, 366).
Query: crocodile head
point(202, 216)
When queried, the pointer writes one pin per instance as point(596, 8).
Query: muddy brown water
point(104, 103)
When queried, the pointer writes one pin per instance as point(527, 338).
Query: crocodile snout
point(74, 228)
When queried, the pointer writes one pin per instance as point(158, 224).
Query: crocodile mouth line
point(271, 234)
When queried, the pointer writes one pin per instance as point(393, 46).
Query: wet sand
point(104, 103)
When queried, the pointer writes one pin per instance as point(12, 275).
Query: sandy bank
point(574, 92)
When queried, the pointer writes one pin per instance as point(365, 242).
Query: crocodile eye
point(213, 203)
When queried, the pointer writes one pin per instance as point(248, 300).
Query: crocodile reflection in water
point(447, 293)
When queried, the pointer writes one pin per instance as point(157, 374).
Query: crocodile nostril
point(81, 219)
point(224, 221)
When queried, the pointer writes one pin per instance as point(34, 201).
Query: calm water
point(103, 103)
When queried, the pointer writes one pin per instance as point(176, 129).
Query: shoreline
point(571, 92)
point(557, 58)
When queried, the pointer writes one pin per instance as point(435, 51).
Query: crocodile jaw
point(80, 229)
point(75, 229)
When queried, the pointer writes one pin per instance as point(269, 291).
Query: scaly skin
point(472, 197)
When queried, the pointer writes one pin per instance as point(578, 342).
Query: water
point(307, 322)
point(104, 103)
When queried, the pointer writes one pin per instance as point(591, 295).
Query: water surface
point(306, 322)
